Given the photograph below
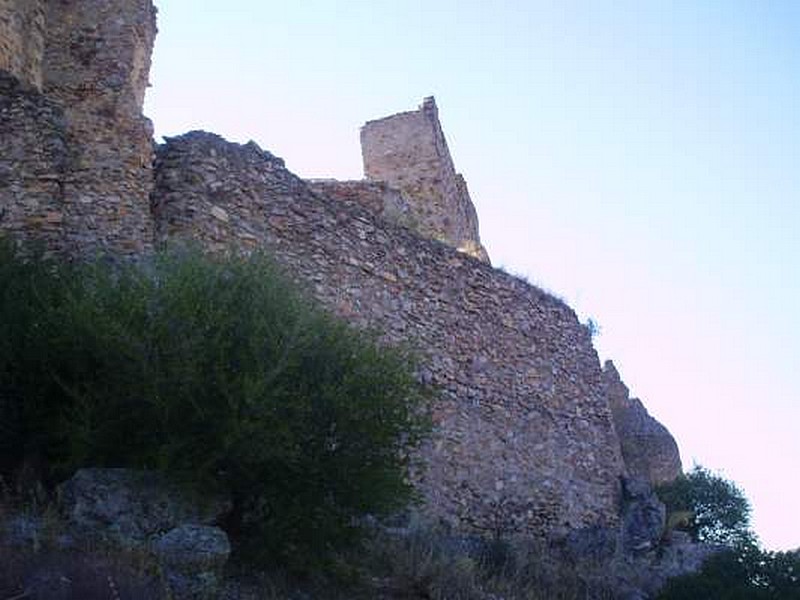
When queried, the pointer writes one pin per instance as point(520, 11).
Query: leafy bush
point(719, 513)
point(716, 510)
point(216, 370)
point(744, 573)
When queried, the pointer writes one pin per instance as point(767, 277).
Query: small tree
point(718, 511)
point(217, 371)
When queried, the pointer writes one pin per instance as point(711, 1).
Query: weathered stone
point(377, 197)
point(524, 439)
point(132, 506)
point(648, 448)
point(643, 517)
point(96, 66)
point(193, 558)
point(409, 152)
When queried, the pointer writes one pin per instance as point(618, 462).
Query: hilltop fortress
point(531, 433)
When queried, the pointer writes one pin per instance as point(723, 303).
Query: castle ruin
point(525, 433)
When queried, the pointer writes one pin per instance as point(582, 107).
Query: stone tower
point(76, 151)
point(409, 152)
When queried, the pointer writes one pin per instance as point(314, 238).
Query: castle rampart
point(81, 71)
point(524, 438)
point(96, 66)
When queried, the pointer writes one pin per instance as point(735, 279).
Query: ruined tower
point(76, 161)
point(409, 152)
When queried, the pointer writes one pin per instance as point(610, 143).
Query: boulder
point(193, 558)
point(132, 506)
point(648, 448)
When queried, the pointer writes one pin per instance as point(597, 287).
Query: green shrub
point(216, 370)
point(714, 509)
point(744, 573)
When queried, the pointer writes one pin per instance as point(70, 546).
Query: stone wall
point(34, 160)
point(409, 152)
point(525, 434)
point(383, 201)
point(524, 439)
point(77, 153)
point(96, 66)
point(22, 39)
point(649, 450)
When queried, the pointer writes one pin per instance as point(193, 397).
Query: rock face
point(194, 557)
point(648, 448)
point(143, 510)
point(133, 506)
point(409, 152)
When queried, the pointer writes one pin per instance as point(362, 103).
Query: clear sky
point(639, 158)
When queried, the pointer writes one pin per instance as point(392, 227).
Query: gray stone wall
point(409, 152)
point(524, 439)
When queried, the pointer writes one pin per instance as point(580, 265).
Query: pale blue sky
point(641, 159)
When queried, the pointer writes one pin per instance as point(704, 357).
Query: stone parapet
point(377, 197)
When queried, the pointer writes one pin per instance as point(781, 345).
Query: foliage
point(717, 511)
point(216, 370)
point(744, 573)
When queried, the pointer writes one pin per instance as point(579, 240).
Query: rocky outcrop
point(143, 510)
point(648, 448)
point(193, 558)
point(133, 506)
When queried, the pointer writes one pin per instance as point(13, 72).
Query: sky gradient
point(640, 159)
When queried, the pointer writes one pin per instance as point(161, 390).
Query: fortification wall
point(524, 438)
point(648, 448)
point(409, 152)
point(96, 66)
point(33, 162)
point(22, 25)
point(377, 197)
point(88, 187)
